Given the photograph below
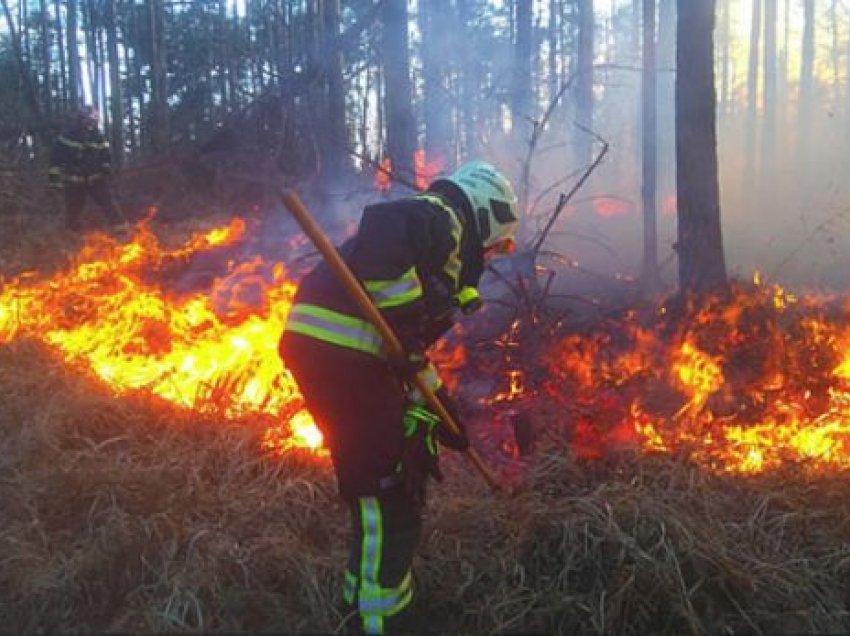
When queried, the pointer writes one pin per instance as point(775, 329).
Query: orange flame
point(425, 170)
point(741, 384)
point(111, 313)
point(610, 207)
point(383, 178)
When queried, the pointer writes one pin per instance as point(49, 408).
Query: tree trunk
point(584, 80)
point(552, 54)
point(768, 138)
point(23, 70)
point(725, 37)
point(74, 70)
point(700, 243)
point(521, 108)
point(92, 62)
point(335, 141)
point(47, 75)
point(847, 71)
point(666, 89)
point(806, 98)
point(436, 107)
point(116, 132)
point(835, 53)
point(752, 100)
point(395, 56)
point(650, 279)
point(159, 85)
point(468, 77)
point(57, 25)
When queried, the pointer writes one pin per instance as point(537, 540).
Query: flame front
point(115, 312)
point(740, 384)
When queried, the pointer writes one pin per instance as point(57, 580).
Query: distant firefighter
point(81, 165)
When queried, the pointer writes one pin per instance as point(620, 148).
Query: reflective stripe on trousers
point(363, 590)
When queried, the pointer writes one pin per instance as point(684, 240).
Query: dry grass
point(123, 515)
point(126, 515)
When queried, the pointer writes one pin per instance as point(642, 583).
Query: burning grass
point(126, 510)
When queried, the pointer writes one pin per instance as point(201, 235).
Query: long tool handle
point(364, 303)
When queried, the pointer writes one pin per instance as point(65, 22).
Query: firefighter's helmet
point(493, 200)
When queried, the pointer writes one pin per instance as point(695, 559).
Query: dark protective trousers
point(359, 405)
point(75, 202)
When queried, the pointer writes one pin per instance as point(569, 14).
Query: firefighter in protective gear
point(81, 166)
point(420, 259)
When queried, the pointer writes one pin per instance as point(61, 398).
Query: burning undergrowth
point(688, 472)
point(743, 381)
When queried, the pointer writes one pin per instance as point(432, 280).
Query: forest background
point(306, 91)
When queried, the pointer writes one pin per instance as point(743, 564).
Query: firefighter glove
point(419, 455)
point(450, 439)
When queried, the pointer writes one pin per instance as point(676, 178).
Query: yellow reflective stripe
point(62, 139)
point(335, 328)
point(54, 170)
point(453, 264)
point(372, 544)
point(392, 293)
point(388, 601)
point(349, 587)
point(82, 145)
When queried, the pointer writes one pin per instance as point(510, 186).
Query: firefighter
point(81, 166)
point(420, 259)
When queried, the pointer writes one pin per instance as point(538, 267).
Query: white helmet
point(493, 200)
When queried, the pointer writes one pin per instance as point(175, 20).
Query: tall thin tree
point(584, 80)
point(700, 243)
point(116, 90)
point(768, 137)
point(436, 48)
point(521, 94)
point(752, 98)
point(649, 172)
point(395, 57)
point(159, 84)
point(73, 49)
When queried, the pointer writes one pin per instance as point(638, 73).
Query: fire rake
point(355, 289)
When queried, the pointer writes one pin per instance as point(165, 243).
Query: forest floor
point(123, 514)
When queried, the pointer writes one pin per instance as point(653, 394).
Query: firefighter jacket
point(417, 259)
point(80, 155)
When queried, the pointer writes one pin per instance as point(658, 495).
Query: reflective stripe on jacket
point(335, 328)
point(409, 256)
point(80, 155)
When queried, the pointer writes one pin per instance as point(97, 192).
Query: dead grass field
point(123, 515)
